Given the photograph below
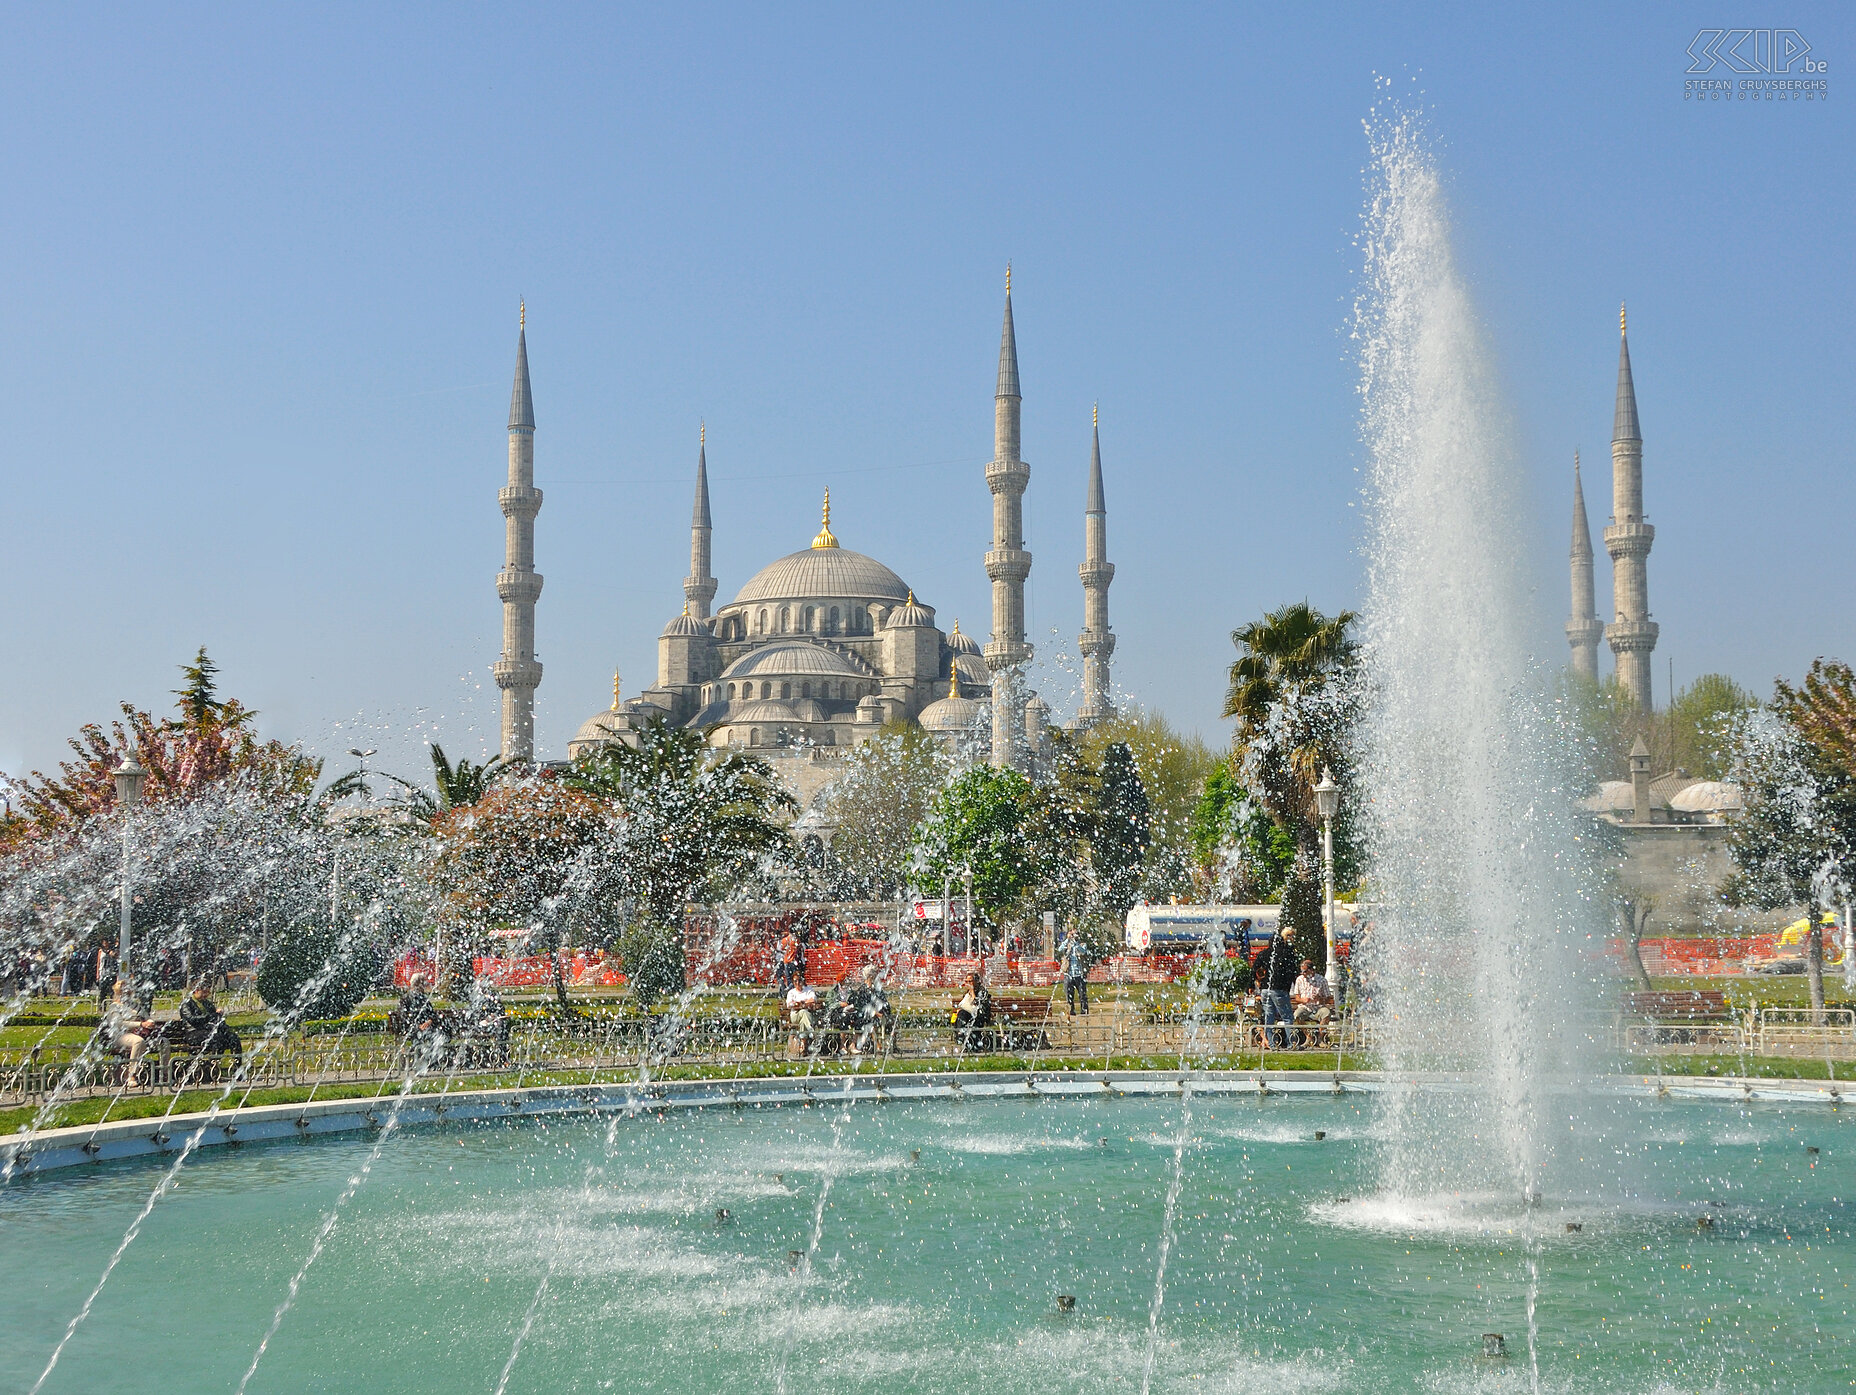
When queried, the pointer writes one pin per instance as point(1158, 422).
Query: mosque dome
point(951, 714)
point(910, 612)
point(1614, 796)
point(685, 624)
point(600, 727)
point(766, 710)
point(796, 658)
point(963, 643)
point(824, 573)
point(972, 668)
point(1708, 797)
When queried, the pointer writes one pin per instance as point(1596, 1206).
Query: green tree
point(1061, 820)
point(454, 785)
point(1701, 722)
point(980, 820)
point(887, 788)
point(313, 969)
point(690, 823)
point(1303, 903)
point(1173, 767)
point(1242, 854)
point(1118, 847)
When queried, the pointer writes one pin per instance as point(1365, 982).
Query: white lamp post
point(1327, 801)
point(129, 777)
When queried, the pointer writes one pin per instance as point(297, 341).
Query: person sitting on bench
point(868, 1009)
point(203, 1026)
point(973, 1015)
point(488, 1021)
point(418, 1018)
point(801, 1002)
point(1314, 1004)
point(127, 1031)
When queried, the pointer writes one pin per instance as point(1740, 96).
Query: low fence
point(830, 962)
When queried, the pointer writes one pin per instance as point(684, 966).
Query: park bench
point(1018, 1024)
point(1683, 1017)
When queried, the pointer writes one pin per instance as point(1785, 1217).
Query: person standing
point(1074, 957)
point(1278, 965)
point(786, 970)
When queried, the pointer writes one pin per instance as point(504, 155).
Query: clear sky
point(262, 266)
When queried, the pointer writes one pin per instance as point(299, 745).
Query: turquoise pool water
point(947, 1233)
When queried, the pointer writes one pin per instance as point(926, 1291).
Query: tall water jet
point(1479, 963)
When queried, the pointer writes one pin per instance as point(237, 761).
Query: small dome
point(824, 573)
point(1038, 705)
point(1614, 796)
point(809, 710)
point(685, 624)
point(973, 670)
point(795, 657)
point(601, 726)
point(951, 714)
point(1709, 797)
point(963, 644)
point(910, 613)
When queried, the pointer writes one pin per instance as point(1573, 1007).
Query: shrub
point(292, 977)
point(652, 957)
point(1223, 980)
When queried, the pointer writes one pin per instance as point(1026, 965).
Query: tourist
point(106, 975)
point(801, 1002)
point(787, 969)
point(125, 1030)
point(1312, 1003)
point(1276, 977)
point(869, 1009)
point(203, 1026)
point(973, 1014)
point(418, 1018)
point(1074, 956)
point(489, 1020)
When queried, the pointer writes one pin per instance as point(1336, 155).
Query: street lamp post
point(129, 777)
point(1327, 801)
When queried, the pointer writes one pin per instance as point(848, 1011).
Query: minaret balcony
point(517, 673)
point(1096, 643)
point(1008, 564)
point(1631, 539)
point(1099, 574)
point(1005, 653)
point(1008, 476)
point(1632, 636)
point(519, 502)
point(521, 588)
point(1580, 633)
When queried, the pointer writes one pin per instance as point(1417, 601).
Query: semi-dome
point(824, 573)
point(972, 669)
point(766, 710)
point(795, 657)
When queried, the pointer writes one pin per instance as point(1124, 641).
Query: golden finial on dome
point(911, 595)
point(615, 690)
point(825, 536)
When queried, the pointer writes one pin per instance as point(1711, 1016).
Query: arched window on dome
point(786, 619)
point(808, 620)
point(786, 692)
point(762, 628)
point(754, 736)
point(805, 690)
point(831, 737)
point(731, 692)
point(766, 690)
point(831, 623)
point(858, 619)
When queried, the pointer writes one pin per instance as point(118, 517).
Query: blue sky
point(263, 265)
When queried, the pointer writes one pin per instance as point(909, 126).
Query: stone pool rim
point(57, 1150)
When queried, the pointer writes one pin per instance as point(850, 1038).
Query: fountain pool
point(948, 1234)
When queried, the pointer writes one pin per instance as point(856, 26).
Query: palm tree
point(1287, 732)
point(457, 786)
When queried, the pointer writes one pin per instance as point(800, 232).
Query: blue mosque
point(825, 646)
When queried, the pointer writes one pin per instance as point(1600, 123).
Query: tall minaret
point(1632, 635)
point(1097, 641)
point(1584, 629)
point(1007, 562)
point(518, 583)
point(699, 585)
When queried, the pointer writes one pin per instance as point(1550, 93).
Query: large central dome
point(824, 573)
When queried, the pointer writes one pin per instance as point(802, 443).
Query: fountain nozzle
point(1494, 1346)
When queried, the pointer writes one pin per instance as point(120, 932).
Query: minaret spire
point(699, 585)
point(519, 584)
point(1097, 641)
point(1583, 629)
point(1007, 561)
point(1628, 538)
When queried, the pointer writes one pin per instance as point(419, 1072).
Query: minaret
point(699, 585)
point(1007, 562)
point(1632, 635)
point(518, 583)
point(1097, 641)
point(1583, 630)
